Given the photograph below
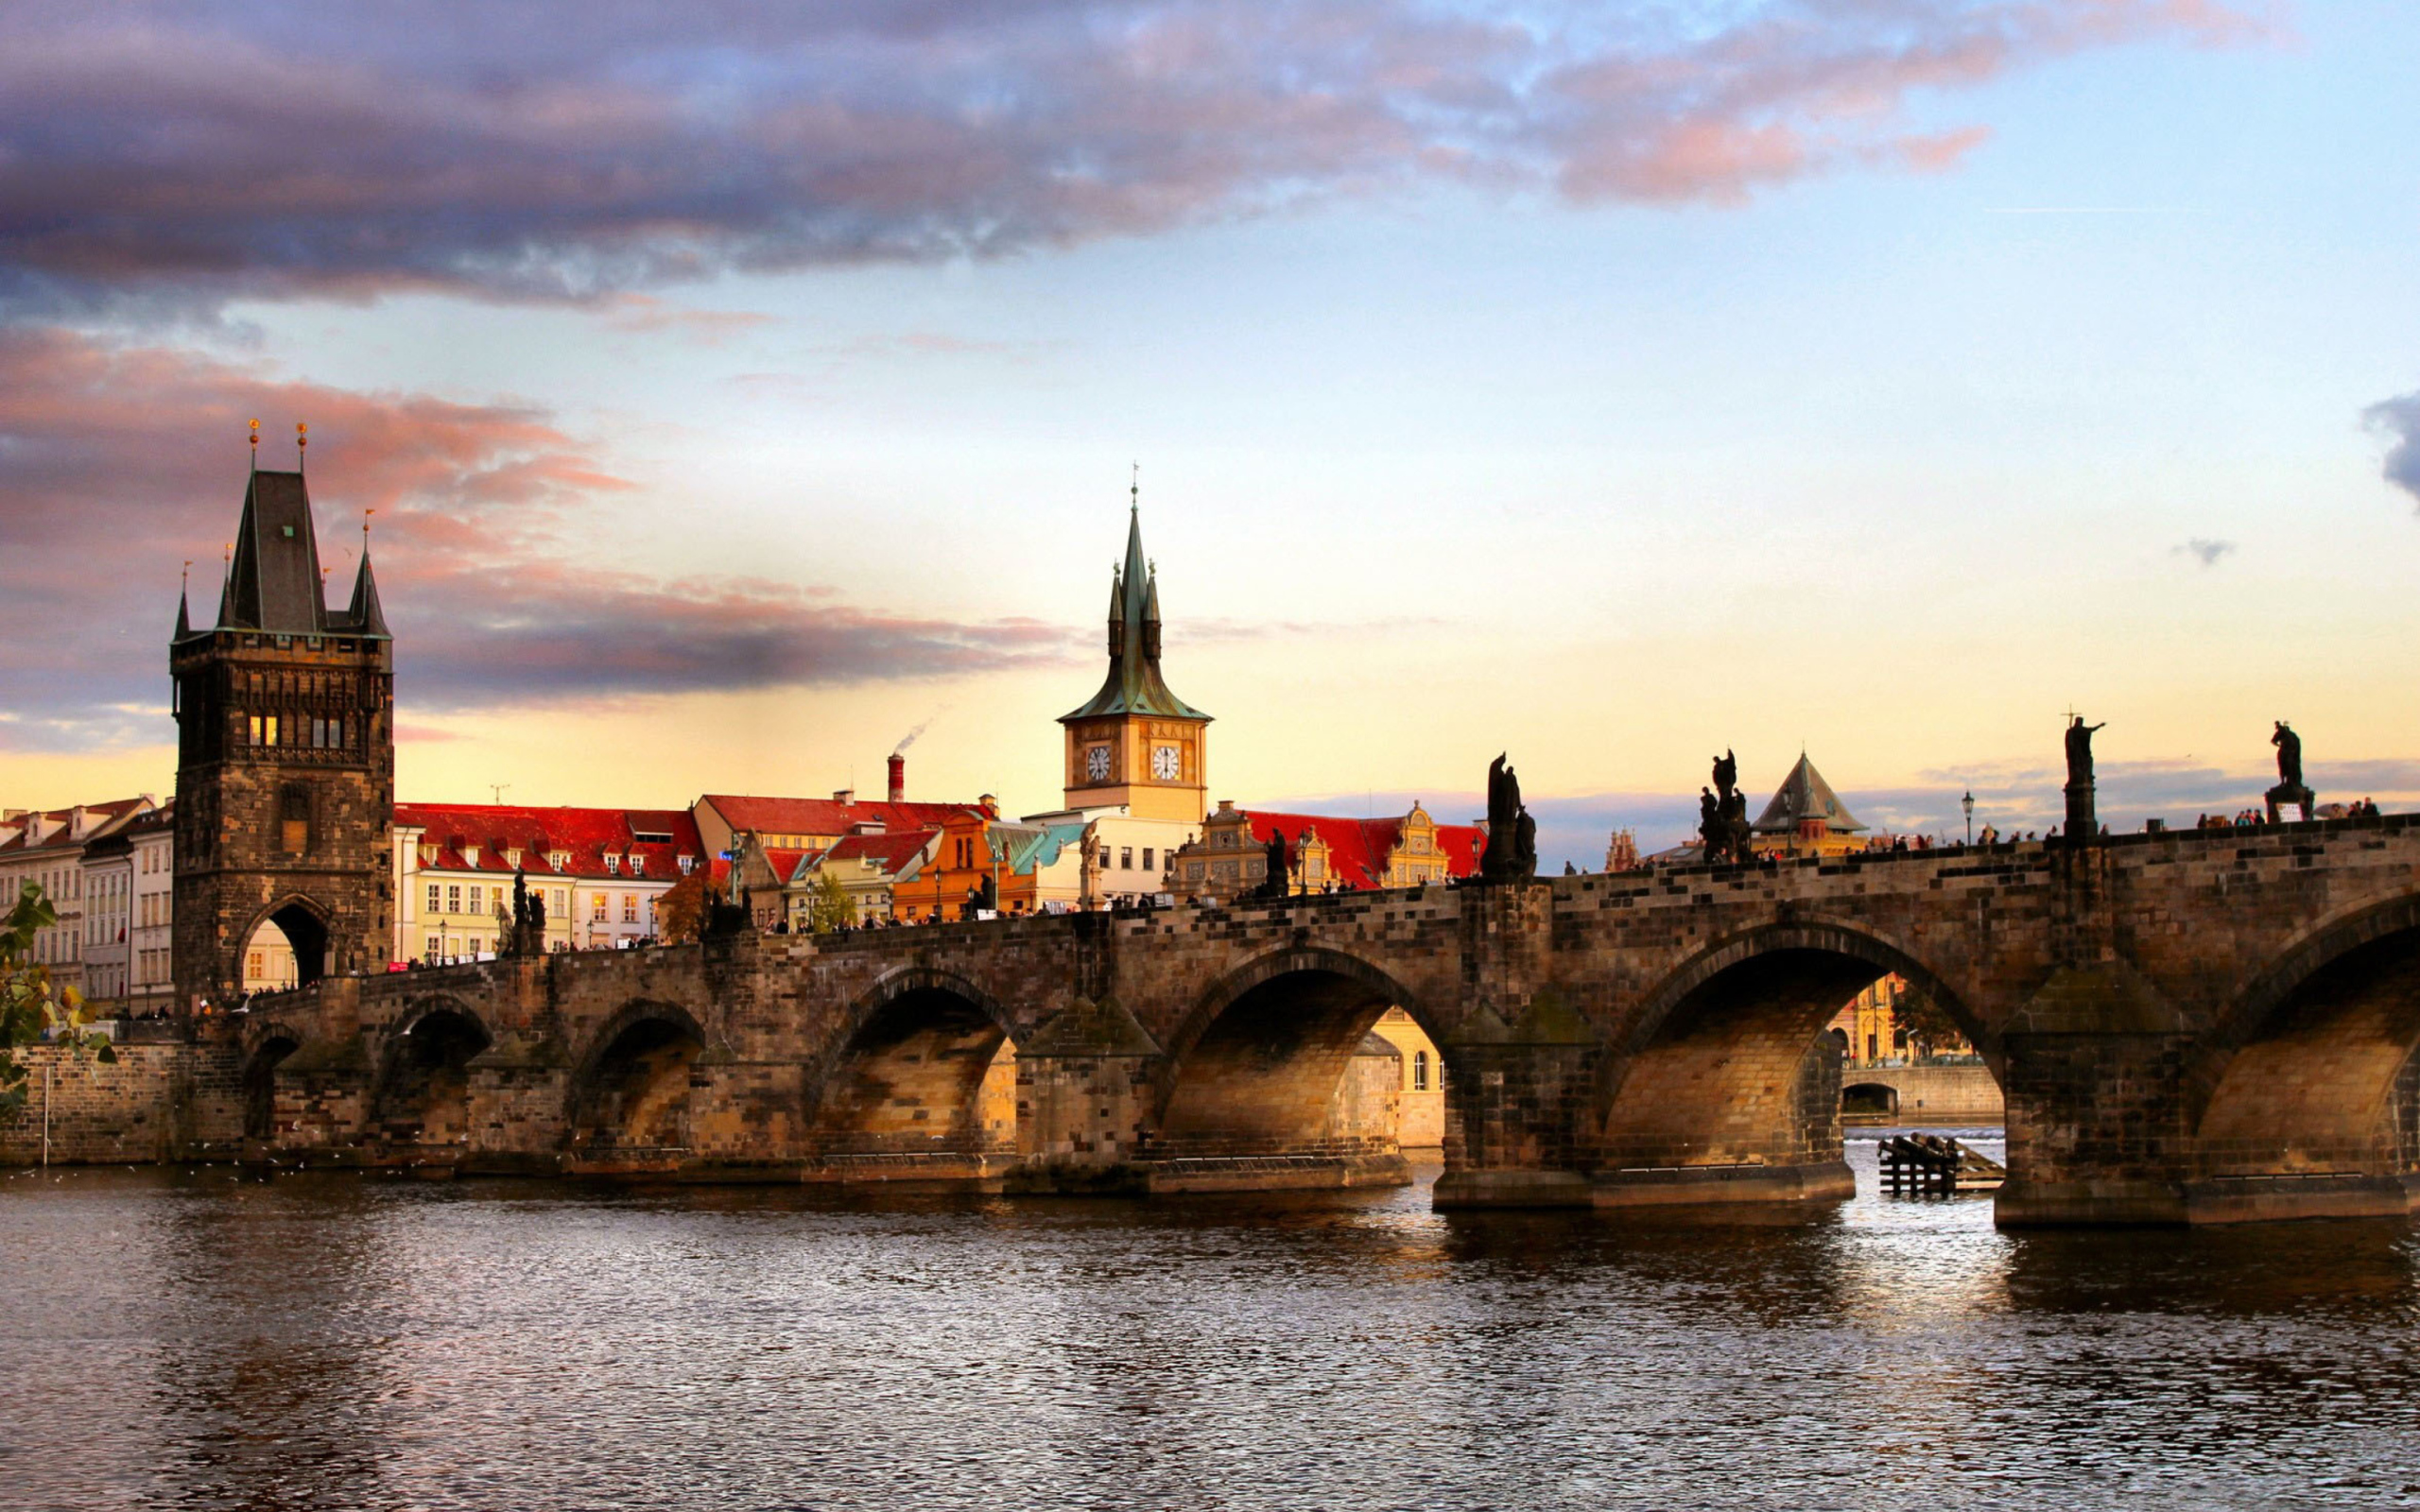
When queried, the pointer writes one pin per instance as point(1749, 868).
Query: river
point(199, 1339)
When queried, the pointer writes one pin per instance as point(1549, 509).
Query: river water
point(196, 1339)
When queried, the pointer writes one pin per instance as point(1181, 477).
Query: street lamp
point(1968, 804)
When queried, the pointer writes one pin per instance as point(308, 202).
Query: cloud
point(157, 154)
point(2399, 420)
point(2204, 550)
point(118, 463)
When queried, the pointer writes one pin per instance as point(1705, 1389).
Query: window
point(1147, 858)
point(1420, 1070)
point(613, 864)
point(596, 908)
point(433, 903)
point(436, 947)
point(561, 902)
point(454, 898)
point(1125, 858)
point(686, 862)
point(294, 819)
point(629, 908)
point(478, 898)
point(1193, 872)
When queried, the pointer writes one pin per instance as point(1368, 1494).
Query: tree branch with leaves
point(31, 1010)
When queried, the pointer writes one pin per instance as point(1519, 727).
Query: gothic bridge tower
point(285, 760)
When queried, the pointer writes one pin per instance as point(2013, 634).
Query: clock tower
point(1134, 742)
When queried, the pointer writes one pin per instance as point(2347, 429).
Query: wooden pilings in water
point(1934, 1162)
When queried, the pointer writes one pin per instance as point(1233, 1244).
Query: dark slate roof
point(1134, 685)
point(273, 583)
point(1805, 795)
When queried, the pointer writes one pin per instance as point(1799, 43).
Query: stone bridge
point(2196, 1027)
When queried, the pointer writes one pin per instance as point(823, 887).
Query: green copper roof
point(1134, 685)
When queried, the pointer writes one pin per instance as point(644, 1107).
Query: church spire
point(1134, 684)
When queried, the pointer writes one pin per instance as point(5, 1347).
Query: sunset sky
point(741, 386)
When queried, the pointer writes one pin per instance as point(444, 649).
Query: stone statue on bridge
point(2289, 755)
point(1504, 858)
point(1274, 882)
point(1722, 815)
point(2290, 788)
point(2080, 750)
point(2083, 828)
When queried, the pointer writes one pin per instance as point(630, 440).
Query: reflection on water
point(325, 1342)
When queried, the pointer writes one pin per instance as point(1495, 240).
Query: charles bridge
point(2190, 1026)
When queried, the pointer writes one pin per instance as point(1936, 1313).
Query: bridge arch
point(1265, 1064)
point(924, 1067)
point(2314, 1067)
point(266, 1045)
point(631, 1089)
point(422, 1092)
point(304, 923)
point(1727, 1063)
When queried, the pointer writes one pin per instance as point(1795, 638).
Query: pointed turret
point(184, 620)
point(1116, 614)
point(363, 616)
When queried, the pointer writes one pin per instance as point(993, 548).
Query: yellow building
point(598, 872)
point(1422, 1129)
point(1324, 852)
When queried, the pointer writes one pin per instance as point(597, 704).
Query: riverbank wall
point(157, 1102)
point(1931, 1094)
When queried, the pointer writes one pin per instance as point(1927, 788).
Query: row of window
point(311, 733)
point(448, 898)
point(152, 967)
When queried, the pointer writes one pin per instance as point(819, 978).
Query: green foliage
point(1928, 1026)
point(830, 908)
point(678, 911)
point(28, 1008)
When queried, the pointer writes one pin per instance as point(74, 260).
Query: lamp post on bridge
point(1968, 804)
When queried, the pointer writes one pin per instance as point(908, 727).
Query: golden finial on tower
point(256, 444)
point(301, 439)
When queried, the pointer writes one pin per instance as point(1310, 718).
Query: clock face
point(1097, 763)
point(1166, 763)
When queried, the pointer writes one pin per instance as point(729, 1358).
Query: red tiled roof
point(786, 862)
point(889, 851)
point(586, 835)
point(104, 813)
point(1357, 848)
point(823, 816)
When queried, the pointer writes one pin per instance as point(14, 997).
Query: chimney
point(990, 805)
point(898, 777)
point(846, 795)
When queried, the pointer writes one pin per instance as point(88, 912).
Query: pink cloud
point(119, 464)
point(557, 151)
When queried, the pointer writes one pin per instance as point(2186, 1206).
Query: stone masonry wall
point(157, 1102)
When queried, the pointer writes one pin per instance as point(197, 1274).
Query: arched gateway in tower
point(285, 760)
